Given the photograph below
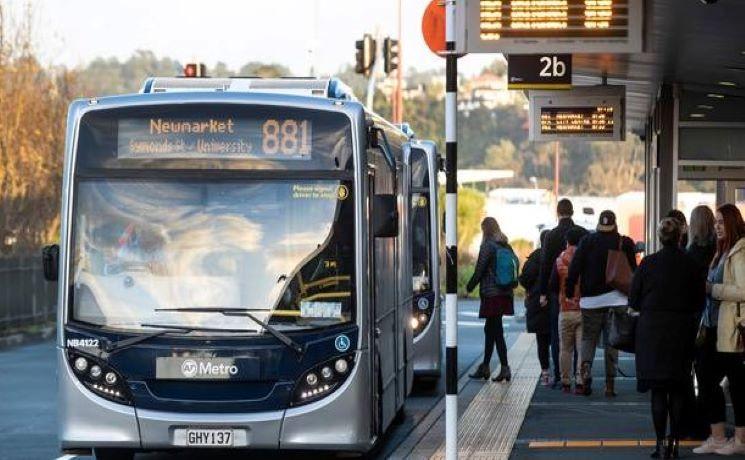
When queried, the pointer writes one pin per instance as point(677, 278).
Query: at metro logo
point(191, 368)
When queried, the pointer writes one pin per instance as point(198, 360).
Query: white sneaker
point(710, 446)
point(734, 446)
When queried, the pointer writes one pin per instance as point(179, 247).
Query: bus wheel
point(113, 454)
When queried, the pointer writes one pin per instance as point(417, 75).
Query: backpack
point(506, 267)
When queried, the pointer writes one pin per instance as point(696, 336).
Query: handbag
point(622, 330)
point(617, 269)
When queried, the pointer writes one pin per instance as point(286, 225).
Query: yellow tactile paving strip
point(489, 426)
point(595, 443)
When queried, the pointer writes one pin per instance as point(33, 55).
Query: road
point(28, 428)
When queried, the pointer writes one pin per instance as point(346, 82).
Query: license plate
point(209, 438)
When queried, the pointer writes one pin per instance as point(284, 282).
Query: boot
point(483, 372)
point(504, 374)
point(672, 448)
point(610, 387)
point(586, 373)
point(657, 452)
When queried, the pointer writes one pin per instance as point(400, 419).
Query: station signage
point(539, 71)
point(549, 26)
point(588, 113)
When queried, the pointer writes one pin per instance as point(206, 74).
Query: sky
point(73, 32)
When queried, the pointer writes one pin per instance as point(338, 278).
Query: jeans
point(733, 365)
point(709, 374)
point(570, 333)
point(553, 303)
point(543, 342)
point(594, 322)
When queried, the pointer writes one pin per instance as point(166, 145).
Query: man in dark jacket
point(555, 243)
point(597, 298)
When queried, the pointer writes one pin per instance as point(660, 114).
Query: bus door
point(383, 288)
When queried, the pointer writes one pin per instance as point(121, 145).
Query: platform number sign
point(538, 71)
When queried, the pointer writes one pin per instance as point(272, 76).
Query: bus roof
point(331, 88)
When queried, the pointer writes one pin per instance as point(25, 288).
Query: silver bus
point(425, 241)
point(234, 270)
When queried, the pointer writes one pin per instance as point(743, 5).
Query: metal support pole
point(557, 166)
point(451, 236)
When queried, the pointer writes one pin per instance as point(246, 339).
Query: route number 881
point(288, 137)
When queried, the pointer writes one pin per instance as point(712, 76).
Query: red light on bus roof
point(195, 70)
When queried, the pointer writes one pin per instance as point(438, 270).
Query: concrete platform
point(525, 420)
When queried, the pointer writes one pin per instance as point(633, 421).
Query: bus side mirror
point(50, 262)
point(385, 216)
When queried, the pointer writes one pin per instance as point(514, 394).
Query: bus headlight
point(111, 387)
point(421, 313)
point(333, 373)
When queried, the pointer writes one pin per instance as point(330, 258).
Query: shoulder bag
point(617, 269)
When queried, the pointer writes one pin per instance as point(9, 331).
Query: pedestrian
point(680, 218)
point(496, 301)
point(702, 241)
point(555, 243)
point(728, 288)
point(668, 290)
point(570, 318)
point(701, 248)
point(597, 297)
point(537, 319)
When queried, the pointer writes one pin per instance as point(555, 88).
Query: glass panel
point(740, 199)
point(421, 243)
point(284, 248)
point(419, 169)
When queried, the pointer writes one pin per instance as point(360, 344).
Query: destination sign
point(558, 26)
point(577, 120)
point(584, 112)
point(240, 138)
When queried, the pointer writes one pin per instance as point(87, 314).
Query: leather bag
point(617, 270)
point(622, 330)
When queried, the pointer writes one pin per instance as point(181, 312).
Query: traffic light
point(195, 70)
point(390, 55)
point(365, 57)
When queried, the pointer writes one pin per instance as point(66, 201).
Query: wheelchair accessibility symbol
point(342, 343)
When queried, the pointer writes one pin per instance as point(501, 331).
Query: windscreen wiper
point(112, 347)
point(245, 312)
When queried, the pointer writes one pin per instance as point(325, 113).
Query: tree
point(503, 156)
point(33, 104)
point(260, 69)
point(471, 205)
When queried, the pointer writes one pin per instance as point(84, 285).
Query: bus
point(425, 314)
point(233, 269)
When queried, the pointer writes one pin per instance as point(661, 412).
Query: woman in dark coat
point(668, 290)
point(495, 301)
point(537, 318)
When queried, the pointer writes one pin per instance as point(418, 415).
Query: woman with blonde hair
point(496, 296)
point(701, 238)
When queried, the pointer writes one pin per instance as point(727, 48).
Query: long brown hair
point(734, 227)
point(491, 230)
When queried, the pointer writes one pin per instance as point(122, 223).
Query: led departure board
point(556, 26)
point(577, 120)
point(591, 113)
